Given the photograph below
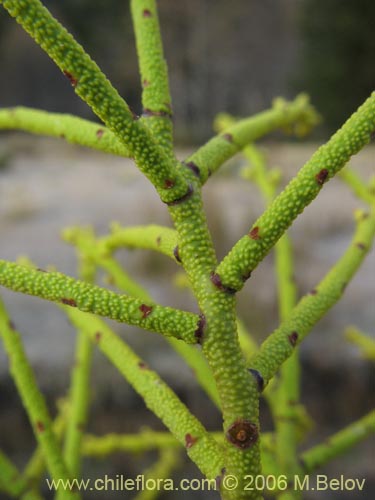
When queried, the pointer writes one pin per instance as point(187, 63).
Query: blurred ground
point(46, 186)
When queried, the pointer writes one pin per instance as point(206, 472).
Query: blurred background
point(223, 56)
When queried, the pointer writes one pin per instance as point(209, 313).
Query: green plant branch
point(153, 237)
point(33, 402)
point(208, 158)
point(98, 251)
point(63, 126)
point(158, 397)
point(167, 462)
point(79, 392)
point(238, 391)
point(324, 164)
point(10, 480)
point(360, 189)
point(156, 98)
point(280, 345)
point(93, 87)
point(286, 392)
point(365, 343)
point(59, 288)
point(145, 440)
point(36, 464)
point(338, 444)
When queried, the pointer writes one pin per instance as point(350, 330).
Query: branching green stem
point(94, 88)
point(158, 397)
point(324, 164)
point(280, 345)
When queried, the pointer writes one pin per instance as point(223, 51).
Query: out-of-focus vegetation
point(337, 67)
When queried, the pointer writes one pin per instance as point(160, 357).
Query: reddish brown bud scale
point(98, 337)
point(158, 241)
point(177, 254)
point(190, 440)
point(254, 233)
point(142, 365)
point(313, 292)
point(145, 83)
point(69, 302)
point(200, 328)
point(71, 78)
point(322, 176)
point(258, 378)
point(99, 133)
point(40, 426)
point(293, 338)
point(145, 310)
point(216, 281)
point(228, 137)
point(361, 246)
point(242, 433)
point(183, 198)
point(11, 325)
point(147, 13)
point(168, 184)
point(194, 168)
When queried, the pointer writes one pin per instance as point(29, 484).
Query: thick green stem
point(237, 389)
point(90, 298)
point(324, 164)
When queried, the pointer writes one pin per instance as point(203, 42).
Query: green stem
point(159, 398)
point(71, 128)
point(79, 393)
point(287, 393)
point(167, 461)
point(37, 465)
point(153, 237)
point(33, 402)
point(360, 189)
point(365, 343)
point(56, 287)
point(237, 388)
point(98, 251)
point(94, 88)
point(324, 164)
point(219, 149)
point(156, 98)
point(280, 345)
point(338, 444)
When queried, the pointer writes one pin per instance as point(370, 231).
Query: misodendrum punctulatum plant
point(233, 370)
